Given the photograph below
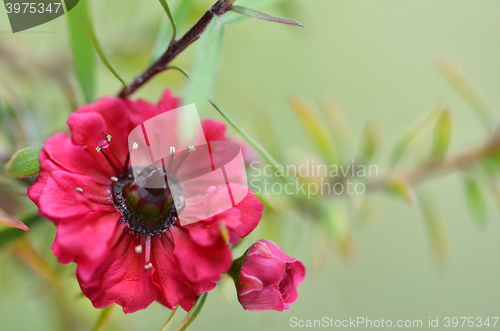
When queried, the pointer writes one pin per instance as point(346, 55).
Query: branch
point(176, 46)
point(439, 166)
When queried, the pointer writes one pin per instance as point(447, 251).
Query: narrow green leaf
point(85, 21)
point(206, 65)
point(102, 55)
point(83, 51)
point(8, 129)
point(13, 223)
point(104, 318)
point(401, 187)
point(475, 201)
point(193, 312)
point(411, 136)
point(234, 17)
point(263, 16)
point(370, 141)
point(316, 130)
point(182, 70)
point(338, 126)
point(164, 328)
point(24, 163)
point(255, 145)
point(165, 34)
point(11, 234)
point(436, 229)
point(457, 79)
point(170, 17)
point(442, 133)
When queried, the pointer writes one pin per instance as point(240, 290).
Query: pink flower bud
point(267, 278)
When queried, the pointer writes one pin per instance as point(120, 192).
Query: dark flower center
point(145, 208)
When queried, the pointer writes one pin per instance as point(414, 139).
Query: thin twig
point(177, 46)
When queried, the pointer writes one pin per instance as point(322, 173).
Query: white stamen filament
point(172, 149)
point(191, 148)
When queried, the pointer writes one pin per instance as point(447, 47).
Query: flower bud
point(266, 278)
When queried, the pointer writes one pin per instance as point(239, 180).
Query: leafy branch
point(176, 46)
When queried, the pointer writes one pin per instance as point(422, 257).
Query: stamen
point(114, 179)
point(147, 255)
point(148, 266)
point(108, 136)
point(181, 161)
point(79, 189)
point(171, 160)
point(191, 148)
point(138, 249)
point(127, 160)
point(110, 161)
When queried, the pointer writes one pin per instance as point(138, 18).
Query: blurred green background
point(377, 59)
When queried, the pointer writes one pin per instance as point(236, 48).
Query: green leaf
point(206, 65)
point(165, 34)
point(475, 201)
point(436, 229)
point(11, 234)
point(442, 133)
point(316, 130)
point(263, 16)
point(181, 70)
point(255, 145)
point(457, 79)
point(193, 312)
point(83, 51)
point(370, 141)
point(234, 17)
point(104, 318)
point(411, 136)
point(401, 187)
point(24, 163)
point(83, 19)
point(170, 17)
point(338, 127)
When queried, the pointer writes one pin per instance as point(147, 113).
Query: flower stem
point(104, 318)
point(176, 46)
point(164, 328)
point(193, 312)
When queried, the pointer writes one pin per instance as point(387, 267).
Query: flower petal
point(199, 263)
point(122, 279)
point(60, 198)
point(85, 240)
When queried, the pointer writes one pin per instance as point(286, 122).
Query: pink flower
point(126, 240)
point(266, 278)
